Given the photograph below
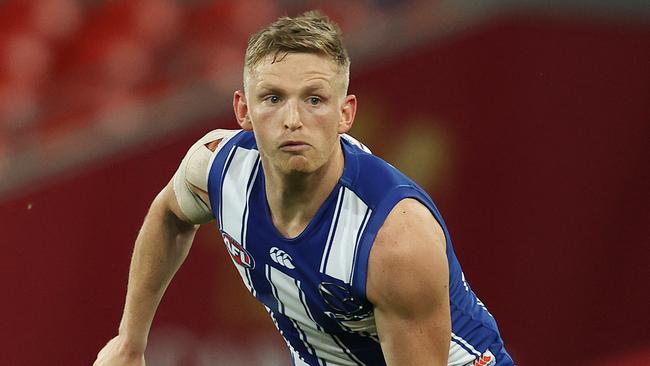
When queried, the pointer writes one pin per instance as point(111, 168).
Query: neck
point(295, 198)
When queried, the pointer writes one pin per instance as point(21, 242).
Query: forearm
point(161, 247)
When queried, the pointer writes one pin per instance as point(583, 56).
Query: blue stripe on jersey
point(347, 351)
point(372, 228)
point(366, 350)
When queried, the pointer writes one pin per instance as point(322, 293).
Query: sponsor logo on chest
point(238, 253)
point(281, 257)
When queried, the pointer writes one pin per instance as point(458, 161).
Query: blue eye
point(314, 100)
point(274, 99)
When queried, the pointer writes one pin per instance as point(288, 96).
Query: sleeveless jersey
point(313, 285)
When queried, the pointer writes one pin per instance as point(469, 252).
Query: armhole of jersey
point(360, 271)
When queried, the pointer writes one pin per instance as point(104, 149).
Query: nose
point(292, 120)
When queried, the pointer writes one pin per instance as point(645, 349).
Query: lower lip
point(294, 147)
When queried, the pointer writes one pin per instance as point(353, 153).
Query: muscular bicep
point(408, 280)
point(190, 182)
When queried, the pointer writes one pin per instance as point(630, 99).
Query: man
point(350, 258)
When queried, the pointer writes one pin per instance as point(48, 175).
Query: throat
point(291, 229)
point(294, 208)
point(294, 201)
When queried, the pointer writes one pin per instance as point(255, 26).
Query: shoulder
point(190, 179)
point(409, 230)
point(371, 177)
point(408, 255)
point(194, 165)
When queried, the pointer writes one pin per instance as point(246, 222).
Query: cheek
point(324, 117)
point(328, 132)
point(264, 114)
point(326, 112)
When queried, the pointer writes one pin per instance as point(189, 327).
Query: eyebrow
point(269, 89)
point(315, 87)
point(263, 89)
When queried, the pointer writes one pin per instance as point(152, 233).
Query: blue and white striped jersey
point(313, 286)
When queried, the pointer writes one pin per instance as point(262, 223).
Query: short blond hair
point(310, 32)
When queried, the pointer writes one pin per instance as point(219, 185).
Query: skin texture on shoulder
point(408, 284)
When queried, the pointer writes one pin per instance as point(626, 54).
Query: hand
point(118, 353)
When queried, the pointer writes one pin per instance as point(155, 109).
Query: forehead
point(294, 69)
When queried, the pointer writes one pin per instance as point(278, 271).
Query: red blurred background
point(529, 127)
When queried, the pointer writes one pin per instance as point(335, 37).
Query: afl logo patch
point(238, 253)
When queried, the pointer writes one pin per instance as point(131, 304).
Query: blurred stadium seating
point(74, 71)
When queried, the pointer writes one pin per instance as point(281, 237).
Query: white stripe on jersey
point(292, 351)
point(234, 220)
point(350, 221)
point(291, 303)
point(328, 243)
point(297, 361)
point(246, 212)
point(358, 239)
point(461, 352)
point(225, 135)
point(356, 142)
point(459, 356)
point(223, 173)
point(465, 343)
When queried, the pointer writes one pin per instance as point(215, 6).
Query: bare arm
point(160, 248)
point(408, 280)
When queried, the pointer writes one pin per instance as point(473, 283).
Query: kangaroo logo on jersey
point(238, 253)
point(281, 257)
point(351, 314)
point(339, 299)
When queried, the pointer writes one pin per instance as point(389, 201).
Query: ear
point(348, 111)
point(241, 110)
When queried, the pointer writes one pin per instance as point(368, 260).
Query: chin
point(299, 165)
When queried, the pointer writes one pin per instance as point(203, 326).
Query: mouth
point(294, 146)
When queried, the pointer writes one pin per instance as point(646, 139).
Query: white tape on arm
point(190, 180)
